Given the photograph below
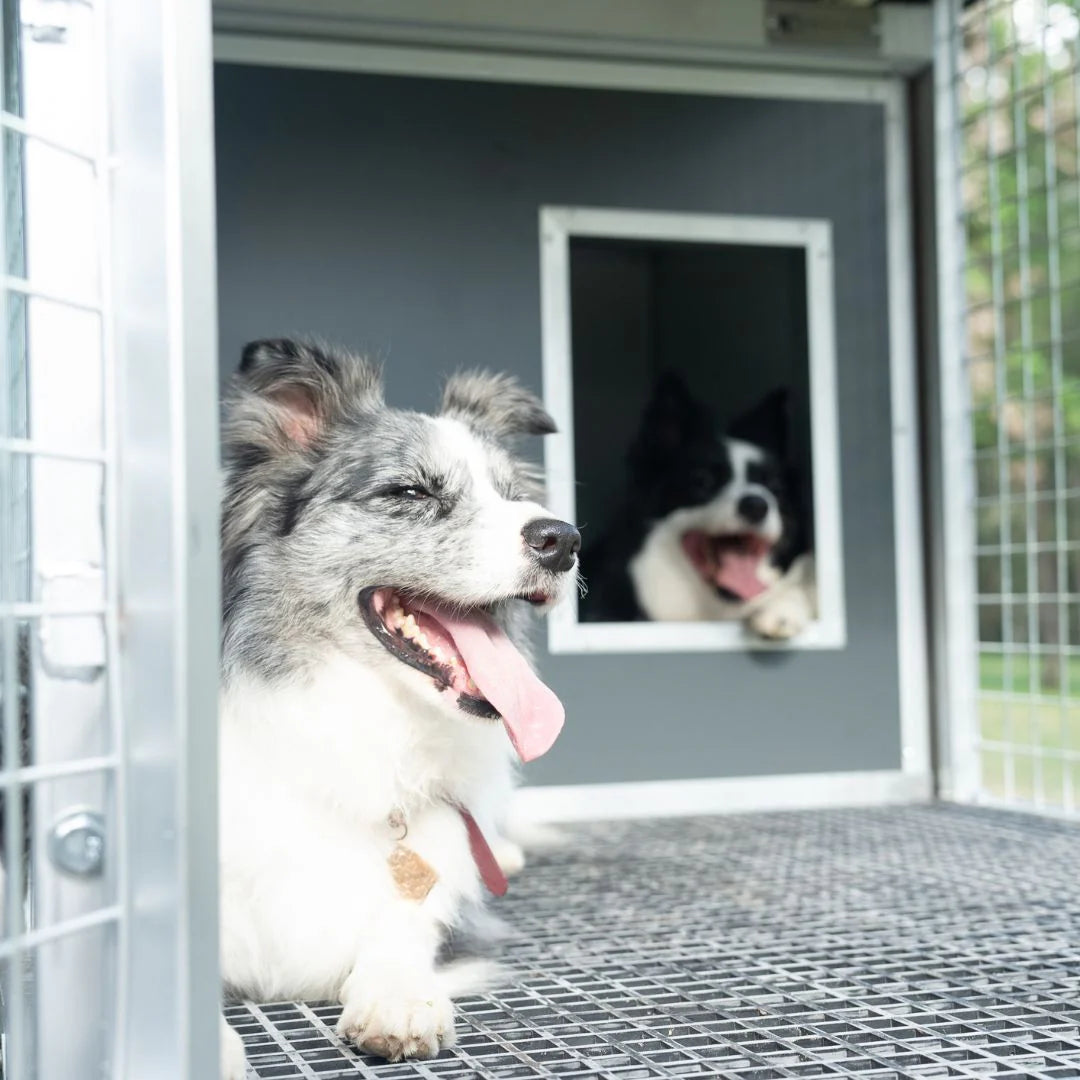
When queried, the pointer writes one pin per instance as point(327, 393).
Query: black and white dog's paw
point(792, 605)
point(233, 1062)
point(784, 618)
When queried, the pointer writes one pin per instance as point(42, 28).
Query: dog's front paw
point(783, 619)
point(233, 1064)
point(397, 1026)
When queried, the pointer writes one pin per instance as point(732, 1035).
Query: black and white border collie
point(713, 526)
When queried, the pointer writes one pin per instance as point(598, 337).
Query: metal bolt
point(77, 843)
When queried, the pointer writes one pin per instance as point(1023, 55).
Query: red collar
point(484, 857)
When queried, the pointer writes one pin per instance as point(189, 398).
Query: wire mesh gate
point(108, 595)
point(59, 624)
point(1009, 208)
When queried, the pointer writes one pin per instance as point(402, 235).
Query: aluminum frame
point(165, 339)
point(957, 675)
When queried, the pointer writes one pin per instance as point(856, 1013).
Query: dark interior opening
point(730, 318)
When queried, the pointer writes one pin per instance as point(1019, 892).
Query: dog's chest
point(666, 585)
point(349, 755)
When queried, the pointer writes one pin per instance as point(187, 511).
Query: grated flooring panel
point(911, 942)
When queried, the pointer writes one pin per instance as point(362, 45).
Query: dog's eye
point(408, 491)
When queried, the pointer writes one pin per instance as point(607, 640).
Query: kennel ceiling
point(793, 35)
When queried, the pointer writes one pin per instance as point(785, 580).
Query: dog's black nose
point(555, 543)
point(753, 508)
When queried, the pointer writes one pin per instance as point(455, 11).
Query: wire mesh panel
point(58, 610)
point(885, 943)
point(1011, 89)
point(108, 596)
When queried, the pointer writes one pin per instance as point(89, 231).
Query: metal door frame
point(164, 301)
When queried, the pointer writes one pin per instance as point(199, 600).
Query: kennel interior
point(876, 206)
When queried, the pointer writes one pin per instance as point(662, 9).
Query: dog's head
point(727, 498)
point(402, 538)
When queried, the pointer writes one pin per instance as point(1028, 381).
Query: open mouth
point(729, 562)
point(466, 654)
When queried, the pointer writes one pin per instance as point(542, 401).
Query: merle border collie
point(713, 525)
point(379, 570)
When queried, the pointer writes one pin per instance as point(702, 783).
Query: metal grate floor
point(914, 942)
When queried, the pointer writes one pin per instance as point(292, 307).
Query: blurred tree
point(1020, 191)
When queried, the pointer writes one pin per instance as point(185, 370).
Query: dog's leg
point(784, 617)
point(792, 607)
point(233, 1062)
point(395, 1004)
point(509, 855)
point(514, 843)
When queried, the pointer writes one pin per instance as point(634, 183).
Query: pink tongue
point(737, 572)
point(533, 715)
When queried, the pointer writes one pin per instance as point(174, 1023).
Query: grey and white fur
point(327, 737)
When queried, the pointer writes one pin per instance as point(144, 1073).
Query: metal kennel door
point(1008, 96)
point(108, 542)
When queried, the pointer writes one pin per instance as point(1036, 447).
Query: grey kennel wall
point(399, 215)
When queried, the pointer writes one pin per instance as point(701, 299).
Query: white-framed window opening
point(560, 227)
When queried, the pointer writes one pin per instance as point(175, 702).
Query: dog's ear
point(495, 404)
point(766, 424)
point(290, 392)
point(671, 411)
point(672, 419)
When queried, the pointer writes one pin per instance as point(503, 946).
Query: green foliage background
point(1020, 192)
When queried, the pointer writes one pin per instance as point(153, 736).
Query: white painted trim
point(557, 226)
point(484, 66)
point(809, 233)
point(726, 795)
point(567, 636)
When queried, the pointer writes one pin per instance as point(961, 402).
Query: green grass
point(992, 673)
point(1036, 730)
